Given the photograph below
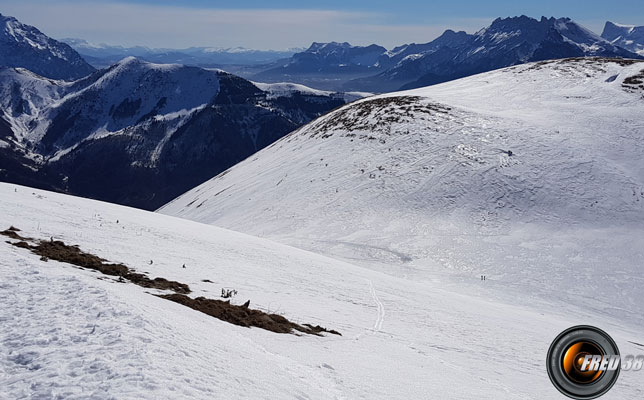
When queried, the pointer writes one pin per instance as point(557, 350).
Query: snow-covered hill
point(68, 332)
point(25, 46)
point(139, 133)
point(630, 37)
point(526, 175)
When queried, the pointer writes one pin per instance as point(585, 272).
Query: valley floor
point(72, 333)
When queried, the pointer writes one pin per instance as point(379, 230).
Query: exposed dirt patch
point(12, 232)
point(238, 315)
point(634, 83)
point(588, 61)
point(245, 316)
point(375, 115)
point(59, 251)
point(319, 329)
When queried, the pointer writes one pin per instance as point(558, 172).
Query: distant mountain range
point(134, 133)
point(25, 46)
point(103, 55)
point(343, 67)
point(506, 42)
point(630, 37)
point(140, 133)
point(325, 65)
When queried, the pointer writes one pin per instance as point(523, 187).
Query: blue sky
point(281, 24)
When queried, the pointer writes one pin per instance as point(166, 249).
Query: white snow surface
point(67, 333)
point(34, 90)
point(289, 89)
point(421, 187)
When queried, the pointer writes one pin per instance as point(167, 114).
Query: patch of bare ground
point(59, 251)
point(634, 83)
point(375, 115)
point(590, 64)
point(12, 232)
point(245, 316)
point(238, 315)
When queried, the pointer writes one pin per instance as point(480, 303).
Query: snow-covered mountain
point(410, 61)
point(25, 46)
point(326, 65)
point(103, 55)
point(520, 174)
point(323, 56)
point(506, 42)
point(449, 39)
point(139, 133)
point(630, 37)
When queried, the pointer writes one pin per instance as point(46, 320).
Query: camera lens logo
point(583, 362)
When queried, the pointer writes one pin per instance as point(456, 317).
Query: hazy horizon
point(287, 24)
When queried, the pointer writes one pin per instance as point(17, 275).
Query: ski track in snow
point(377, 326)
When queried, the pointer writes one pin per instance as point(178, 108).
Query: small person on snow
point(510, 153)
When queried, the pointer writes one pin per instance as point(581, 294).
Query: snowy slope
point(25, 46)
point(23, 94)
point(121, 96)
point(420, 184)
point(68, 334)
